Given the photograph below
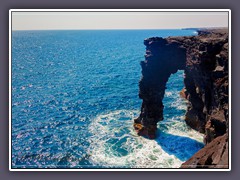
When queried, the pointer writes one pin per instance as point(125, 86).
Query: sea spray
point(115, 144)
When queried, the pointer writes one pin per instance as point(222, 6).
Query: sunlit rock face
point(204, 59)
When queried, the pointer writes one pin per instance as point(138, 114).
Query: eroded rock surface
point(160, 62)
point(213, 155)
point(204, 59)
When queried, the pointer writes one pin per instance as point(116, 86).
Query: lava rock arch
point(161, 60)
point(204, 59)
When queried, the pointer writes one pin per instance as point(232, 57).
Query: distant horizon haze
point(117, 20)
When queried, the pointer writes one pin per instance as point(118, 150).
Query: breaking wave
point(115, 144)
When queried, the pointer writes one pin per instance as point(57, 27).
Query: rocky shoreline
point(204, 59)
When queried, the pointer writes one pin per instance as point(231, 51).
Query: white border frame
point(112, 10)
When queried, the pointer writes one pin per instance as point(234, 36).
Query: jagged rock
point(147, 131)
point(204, 59)
point(183, 93)
point(213, 155)
point(159, 55)
point(215, 126)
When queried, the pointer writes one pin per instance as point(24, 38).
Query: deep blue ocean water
point(74, 98)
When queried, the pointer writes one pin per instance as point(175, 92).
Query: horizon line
point(183, 28)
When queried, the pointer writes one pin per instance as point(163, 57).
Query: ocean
point(74, 98)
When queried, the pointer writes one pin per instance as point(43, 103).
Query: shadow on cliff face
point(180, 146)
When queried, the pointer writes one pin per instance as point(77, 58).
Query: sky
point(117, 20)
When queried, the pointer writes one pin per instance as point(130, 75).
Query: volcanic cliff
point(204, 59)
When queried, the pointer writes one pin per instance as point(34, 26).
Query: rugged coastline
point(204, 59)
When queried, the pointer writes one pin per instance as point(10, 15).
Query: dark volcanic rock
point(204, 59)
point(213, 155)
point(159, 55)
point(216, 126)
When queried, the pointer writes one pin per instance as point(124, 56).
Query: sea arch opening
point(162, 59)
point(175, 105)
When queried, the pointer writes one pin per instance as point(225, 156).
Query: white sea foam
point(168, 94)
point(114, 143)
point(179, 104)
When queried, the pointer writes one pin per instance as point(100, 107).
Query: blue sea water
point(74, 98)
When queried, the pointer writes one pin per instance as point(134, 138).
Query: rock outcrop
point(213, 155)
point(160, 62)
point(204, 59)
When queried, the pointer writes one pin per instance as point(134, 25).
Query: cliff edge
point(204, 59)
